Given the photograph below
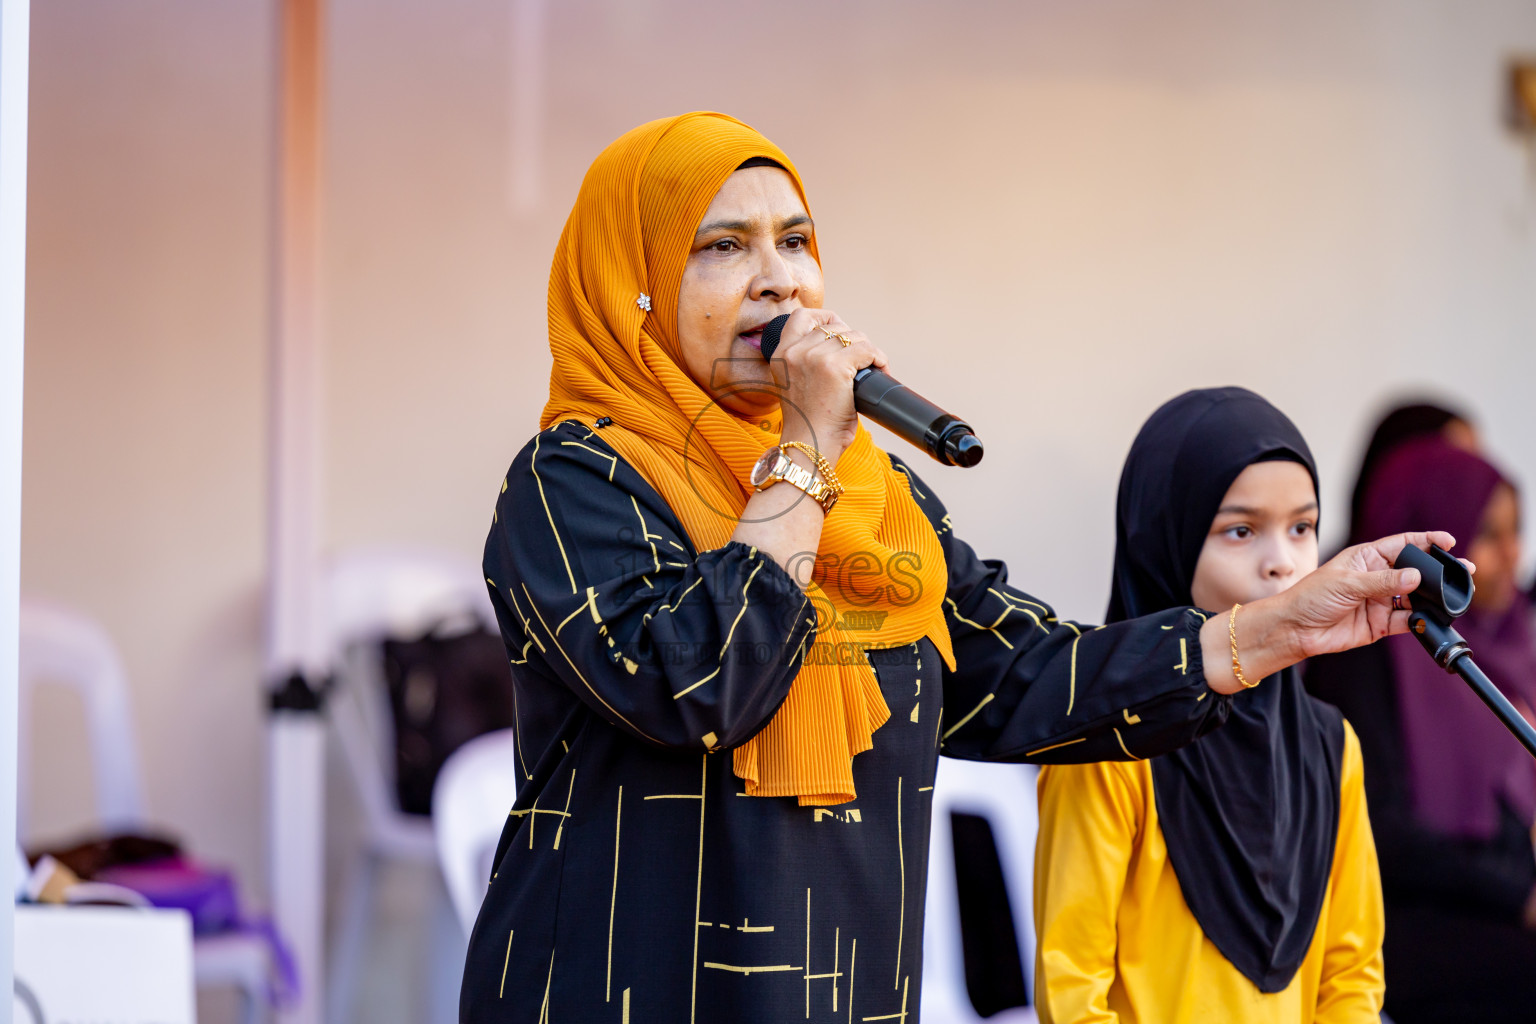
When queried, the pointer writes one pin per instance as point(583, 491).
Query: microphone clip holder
point(1444, 594)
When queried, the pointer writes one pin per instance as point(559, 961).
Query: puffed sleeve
point(1028, 686)
point(598, 587)
point(1352, 986)
point(1089, 822)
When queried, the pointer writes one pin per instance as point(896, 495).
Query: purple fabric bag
point(176, 883)
point(210, 897)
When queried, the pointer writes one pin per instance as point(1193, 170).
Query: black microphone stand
point(1444, 593)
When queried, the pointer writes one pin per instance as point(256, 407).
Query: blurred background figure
point(1452, 795)
point(1404, 423)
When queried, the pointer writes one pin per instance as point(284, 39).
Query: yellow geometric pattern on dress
point(899, 1016)
point(698, 894)
point(517, 718)
point(847, 815)
point(646, 535)
point(591, 603)
point(808, 974)
point(1072, 677)
point(533, 464)
point(613, 460)
point(833, 976)
point(917, 703)
point(698, 897)
point(955, 611)
point(1019, 603)
point(532, 813)
point(526, 621)
point(1055, 746)
point(1008, 603)
point(618, 817)
point(1128, 753)
point(725, 647)
point(590, 688)
point(548, 978)
point(1013, 602)
point(988, 699)
point(502, 992)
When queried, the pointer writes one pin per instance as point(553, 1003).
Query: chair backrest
point(1005, 795)
point(397, 591)
point(370, 594)
point(470, 801)
point(63, 647)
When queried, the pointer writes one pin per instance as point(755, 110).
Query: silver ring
point(1397, 602)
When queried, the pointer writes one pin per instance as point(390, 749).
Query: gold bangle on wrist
point(1237, 668)
point(819, 461)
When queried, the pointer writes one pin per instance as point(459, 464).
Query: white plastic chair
point(1005, 795)
point(470, 800)
point(63, 647)
point(371, 594)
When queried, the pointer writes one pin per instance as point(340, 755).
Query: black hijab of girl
point(1250, 812)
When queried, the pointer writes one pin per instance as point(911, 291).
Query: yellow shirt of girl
point(1117, 943)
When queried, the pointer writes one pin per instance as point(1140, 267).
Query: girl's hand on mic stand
point(1345, 603)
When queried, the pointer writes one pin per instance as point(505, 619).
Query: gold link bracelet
point(1237, 668)
point(819, 461)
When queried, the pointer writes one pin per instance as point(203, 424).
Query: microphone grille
point(771, 332)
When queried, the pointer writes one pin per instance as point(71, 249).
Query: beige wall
point(1053, 216)
point(143, 475)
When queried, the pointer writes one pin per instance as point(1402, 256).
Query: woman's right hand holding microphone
point(815, 363)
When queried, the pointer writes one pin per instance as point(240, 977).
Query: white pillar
point(14, 35)
point(295, 636)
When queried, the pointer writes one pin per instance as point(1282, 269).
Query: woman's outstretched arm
point(1029, 686)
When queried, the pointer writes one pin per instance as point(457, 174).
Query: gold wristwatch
point(776, 465)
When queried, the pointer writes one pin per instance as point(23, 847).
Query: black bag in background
point(444, 690)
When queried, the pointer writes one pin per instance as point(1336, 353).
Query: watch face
point(764, 466)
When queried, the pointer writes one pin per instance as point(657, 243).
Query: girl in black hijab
point(1236, 879)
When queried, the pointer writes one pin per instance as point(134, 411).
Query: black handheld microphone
point(901, 410)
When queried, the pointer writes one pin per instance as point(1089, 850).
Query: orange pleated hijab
point(629, 236)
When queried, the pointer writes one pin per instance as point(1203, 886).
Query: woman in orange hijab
point(741, 634)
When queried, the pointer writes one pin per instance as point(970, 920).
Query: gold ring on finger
point(828, 334)
point(842, 339)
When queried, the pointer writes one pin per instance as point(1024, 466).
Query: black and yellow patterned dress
point(634, 881)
